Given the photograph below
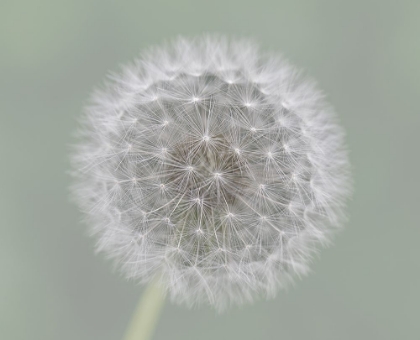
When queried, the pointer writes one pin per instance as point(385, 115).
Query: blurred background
point(364, 54)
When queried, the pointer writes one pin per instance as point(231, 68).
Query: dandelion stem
point(145, 317)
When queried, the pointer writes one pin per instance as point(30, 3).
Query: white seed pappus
point(213, 166)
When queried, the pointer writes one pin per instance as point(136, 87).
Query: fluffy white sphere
point(213, 167)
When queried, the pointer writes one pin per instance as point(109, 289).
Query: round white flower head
point(212, 166)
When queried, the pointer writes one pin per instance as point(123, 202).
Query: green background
point(364, 54)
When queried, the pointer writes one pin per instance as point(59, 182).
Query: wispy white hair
point(212, 166)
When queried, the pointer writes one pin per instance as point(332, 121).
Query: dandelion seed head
point(213, 166)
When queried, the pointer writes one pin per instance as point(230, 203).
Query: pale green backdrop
point(364, 54)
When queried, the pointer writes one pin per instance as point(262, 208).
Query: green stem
point(147, 313)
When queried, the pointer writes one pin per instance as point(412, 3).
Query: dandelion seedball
point(212, 166)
